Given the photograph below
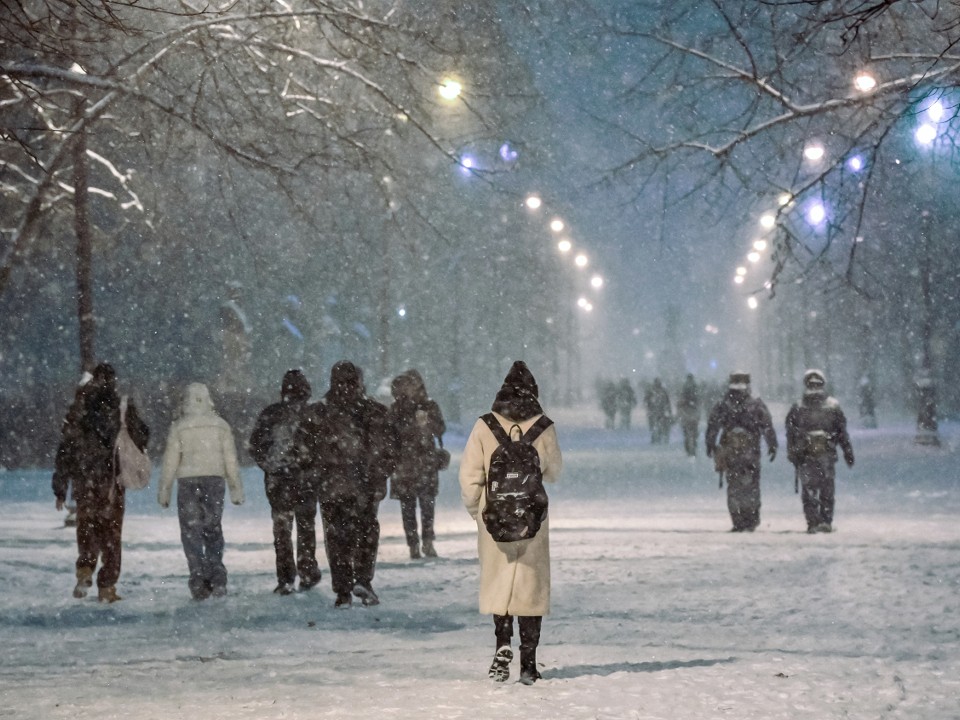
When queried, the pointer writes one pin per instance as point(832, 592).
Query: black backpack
point(516, 503)
point(281, 456)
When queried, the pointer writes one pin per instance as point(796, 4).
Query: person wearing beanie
point(273, 447)
point(732, 439)
point(201, 456)
point(815, 427)
point(351, 449)
point(514, 576)
point(419, 426)
point(85, 461)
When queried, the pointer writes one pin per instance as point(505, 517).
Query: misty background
point(273, 185)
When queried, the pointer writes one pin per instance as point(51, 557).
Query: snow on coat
point(514, 577)
point(199, 444)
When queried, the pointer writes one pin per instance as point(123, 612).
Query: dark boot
point(500, 667)
point(529, 640)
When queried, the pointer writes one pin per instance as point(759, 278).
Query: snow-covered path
point(659, 611)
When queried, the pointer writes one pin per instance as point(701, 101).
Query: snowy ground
point(659, 611)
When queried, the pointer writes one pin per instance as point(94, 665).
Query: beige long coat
point(514, 577)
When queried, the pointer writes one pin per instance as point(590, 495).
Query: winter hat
point(739, 381)
point(104, 374)
point(346, 383)
point(814, 379)
point(517, 398)
point(295, 386)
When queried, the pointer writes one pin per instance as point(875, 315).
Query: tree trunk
point(81, 223)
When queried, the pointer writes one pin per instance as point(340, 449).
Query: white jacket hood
point(196, 401)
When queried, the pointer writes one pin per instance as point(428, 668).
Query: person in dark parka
point(740, 421)
point(350, 449)
point(419, 426)
point(815, 427)
point(293, 500)
point(86, 460)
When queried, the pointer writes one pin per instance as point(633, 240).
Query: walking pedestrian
point(419, 426)
point(740, 421)
point(514, 576)
point(86, 460)
point(273, 446)
point(815, 427)
point(201, 456)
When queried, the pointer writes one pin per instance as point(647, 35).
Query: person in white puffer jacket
point(202, 456)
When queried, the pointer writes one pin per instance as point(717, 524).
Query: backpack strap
point(496, 428)
point(536, 429)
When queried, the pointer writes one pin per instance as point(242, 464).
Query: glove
point(772, 453)
point(848, 457)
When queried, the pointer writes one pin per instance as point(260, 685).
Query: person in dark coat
point(740, 421)
point(688, 410)
point(607, 391)
point(659, 417)
point(419, 426)
point(626, 401)
point(815, 427)
point(292, 497)
point(85, 460)
point(350, 448)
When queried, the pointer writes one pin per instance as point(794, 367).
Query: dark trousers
point(351, 532)
point(303, 516)
point(818, 481)
point(99, 530)
point(408, 513)
point(690, 431)
point(743, 496)
point(529, 636)
point(200, 510)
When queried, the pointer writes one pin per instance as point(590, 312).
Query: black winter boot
point(500, 667)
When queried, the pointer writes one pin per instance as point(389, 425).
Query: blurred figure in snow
point(86, 460)
point(418, 425)
point(815, 427)
point(688, 410)
point(202, 457)
point(659, 417)
point(740, 421)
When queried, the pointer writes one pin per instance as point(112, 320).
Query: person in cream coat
point(202, 457)
point(514, 576)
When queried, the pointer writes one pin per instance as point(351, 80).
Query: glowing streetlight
point(753, 257)
point(816, 213)
point(564, 246)
point(768, 221)
point(814, 152)
point(752, 303)
point(449, 89)
point(785, 199)
point(557, 225)
point(855, 163)
point(580, 260)
point(596, 281)
point(936, 112)
point(865, 82)
point(533, 202)
point(738, 279)
point(926, 134)
point(584, 304)
point(741, 270)
point(759, 245)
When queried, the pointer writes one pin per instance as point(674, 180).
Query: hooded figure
point(740, 421)
point(815, 427)
point(514, 576)
point(201, 456)
point(273, 446)
point(85, 461)
point(350, 449)
point(418, 424)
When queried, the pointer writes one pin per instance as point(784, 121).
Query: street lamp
point(865, 82)
point(533, 202)
point(564, 246)
point(556, 225)
point(449, 89)
point(580, 260)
